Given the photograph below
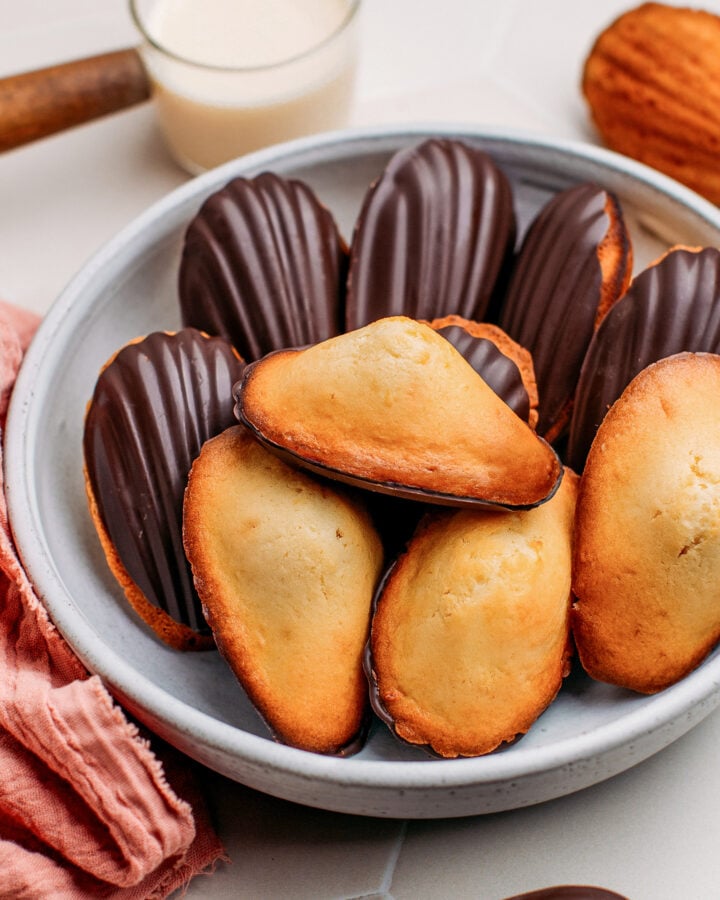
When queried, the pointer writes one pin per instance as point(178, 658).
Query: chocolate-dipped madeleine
point(154, 405)
point(646, 569)
point(501, 362)
point(570, 892)
point(574, 263)
point(286, 566)
point(393, 407)
point(470, 638)
point(263, 265)
point(671, 306)
point(433, 236)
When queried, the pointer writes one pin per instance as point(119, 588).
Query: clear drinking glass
point(231, 76)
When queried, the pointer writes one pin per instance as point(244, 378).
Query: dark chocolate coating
point(376, 702)
point(672, 306)
point(494, 367)
point(569, 892)
point(263, 265)
point(154, 406)
point(554, 293)
point(433, 237)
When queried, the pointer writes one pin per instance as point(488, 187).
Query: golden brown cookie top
point(470, 638)
point(651, 81)
point(286, 567)
point(648, 528)
point(395, 408)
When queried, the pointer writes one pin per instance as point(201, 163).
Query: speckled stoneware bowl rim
point(297, 775)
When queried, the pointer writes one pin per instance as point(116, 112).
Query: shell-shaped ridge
point(263, 265)
point(670, 307)
point(433, 236)
point(494, 367)
point(154, 405)
point(555, 291)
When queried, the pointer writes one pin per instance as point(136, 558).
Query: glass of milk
point(231, 76)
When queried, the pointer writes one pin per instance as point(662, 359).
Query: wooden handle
point(36, 104)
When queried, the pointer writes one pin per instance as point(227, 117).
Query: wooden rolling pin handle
point(36, 104)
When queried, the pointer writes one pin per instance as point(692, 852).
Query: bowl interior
point(129, 289)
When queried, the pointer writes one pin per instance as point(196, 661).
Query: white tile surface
point(283, 850)
point(638, 834)
point(649, 832)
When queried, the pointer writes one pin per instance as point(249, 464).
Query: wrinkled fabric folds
point(87, 806)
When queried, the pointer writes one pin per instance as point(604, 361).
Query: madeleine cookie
point(647, 553)
point(393, 407)
point(574, 264)
point(651, 82)
point(286, 567)
point(671, 306)
point(470, 638)
point(154, 405)
point(501, 362)
point(434, 236)
point(263, 265)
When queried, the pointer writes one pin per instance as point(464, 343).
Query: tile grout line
point(393, 859)
point(383, 889)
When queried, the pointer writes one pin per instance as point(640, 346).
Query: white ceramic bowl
point(590, 732)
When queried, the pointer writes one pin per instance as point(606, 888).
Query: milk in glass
point(231, 76)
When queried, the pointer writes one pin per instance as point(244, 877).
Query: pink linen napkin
point(87, 809)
